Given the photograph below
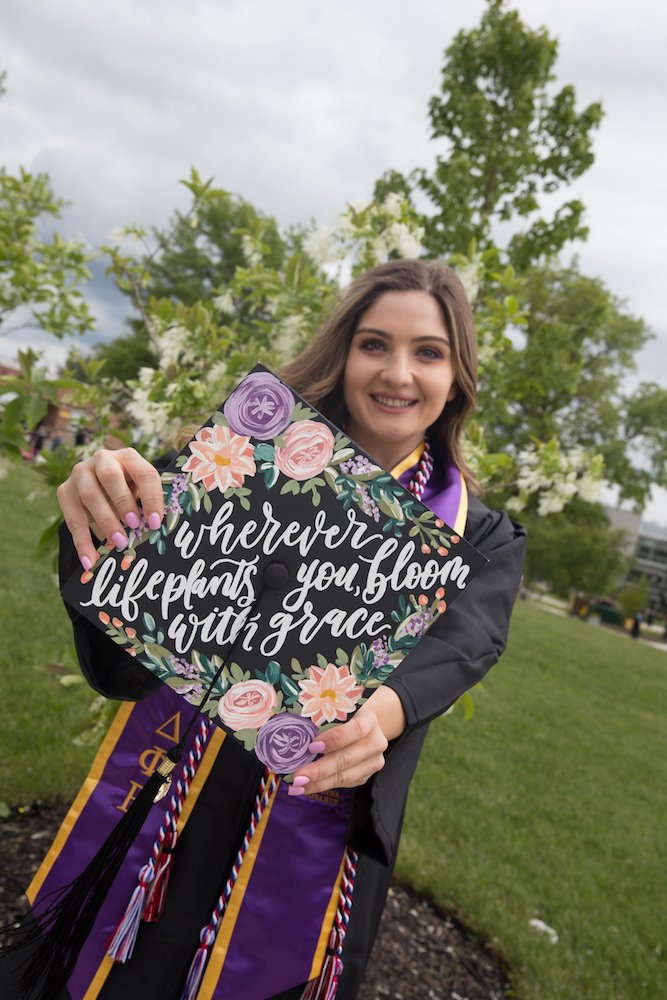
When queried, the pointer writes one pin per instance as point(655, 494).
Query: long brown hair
point(317, 373)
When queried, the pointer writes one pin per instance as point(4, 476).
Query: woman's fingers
point(101, 492)
point(351, 754)
point(76, 519)
point(148, 486)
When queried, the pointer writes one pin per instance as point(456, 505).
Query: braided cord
point(423, 473)
point(208, 933)
point(148, 898)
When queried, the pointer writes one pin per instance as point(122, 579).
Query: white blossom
point(216, 373)
point(393, 204)
point(320, 244)
point(589, 488)
point(289, 333)
point(150, 417)
point(405, 241)
point(360, 206)
point(469, 275)
point(515, 505)
point(224, 303)
point(550, 503)
point(251, 253)
point(346, 227)
point(173, 345)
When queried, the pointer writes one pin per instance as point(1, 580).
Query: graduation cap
point(289, 578)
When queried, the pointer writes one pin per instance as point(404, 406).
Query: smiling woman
point(398, 375)
point(395, 365)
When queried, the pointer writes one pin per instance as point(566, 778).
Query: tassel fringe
point(125, 935)
point(66, 921)
point(153, 880)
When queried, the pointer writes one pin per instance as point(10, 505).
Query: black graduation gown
point(454, 655)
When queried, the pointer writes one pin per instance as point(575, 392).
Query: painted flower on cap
point(329, 694)
point(260, 406)
point(247, 705)
point(220, 459)
point(308, 449)
point(283, 741)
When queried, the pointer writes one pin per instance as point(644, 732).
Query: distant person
point(635, 631)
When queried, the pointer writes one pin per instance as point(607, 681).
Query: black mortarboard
point(290, 575)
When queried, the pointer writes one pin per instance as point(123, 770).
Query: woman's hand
point(101, 496)
point(353, 751)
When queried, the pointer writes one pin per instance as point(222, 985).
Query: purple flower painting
point(283, 741)
point(259, 407)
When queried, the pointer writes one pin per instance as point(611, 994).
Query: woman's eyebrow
point(417, 340)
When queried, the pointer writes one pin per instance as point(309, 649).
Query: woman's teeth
point(398, 404)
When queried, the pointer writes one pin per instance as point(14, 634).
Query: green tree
point(564, 377)
point(193, 259)
point(200, 251)
point(39, 276)
point(575, 549)
point(509, 140)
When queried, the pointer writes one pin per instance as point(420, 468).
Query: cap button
point(276, 575)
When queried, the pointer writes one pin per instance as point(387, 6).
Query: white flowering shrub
point(267, 313)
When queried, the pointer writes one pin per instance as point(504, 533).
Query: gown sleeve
point(453, 656)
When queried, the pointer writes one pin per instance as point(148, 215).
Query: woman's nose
point(397, 369)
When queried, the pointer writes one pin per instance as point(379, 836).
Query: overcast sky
point(300, 105)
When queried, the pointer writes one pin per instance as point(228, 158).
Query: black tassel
point(65, 923)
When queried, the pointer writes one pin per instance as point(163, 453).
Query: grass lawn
point(550, 804)
point(39, 717)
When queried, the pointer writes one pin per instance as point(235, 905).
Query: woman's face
point(398, 375)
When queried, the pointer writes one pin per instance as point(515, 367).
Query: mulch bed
point(421, 953)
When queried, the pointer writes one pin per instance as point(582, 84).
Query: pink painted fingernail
point(300, 781)
point(295, 791)
point(132, 519)
point(317, 746)
point(153, 521)
point(119, 539)
point(86, 562)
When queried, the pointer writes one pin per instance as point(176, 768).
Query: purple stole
point(286, 890)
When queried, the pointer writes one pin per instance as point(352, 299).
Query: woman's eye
point(372, 345)
point(429, 352)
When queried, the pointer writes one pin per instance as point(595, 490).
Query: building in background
point(646, 544)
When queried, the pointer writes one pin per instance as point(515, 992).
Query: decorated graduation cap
point(290, 577)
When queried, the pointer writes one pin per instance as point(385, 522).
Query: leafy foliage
point(39, 277)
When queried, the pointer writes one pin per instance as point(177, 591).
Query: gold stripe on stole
point(459, 525)
point(327, 924)
point(412, 459)
point(218, 953)
point(213, 747)
point(88, 787)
